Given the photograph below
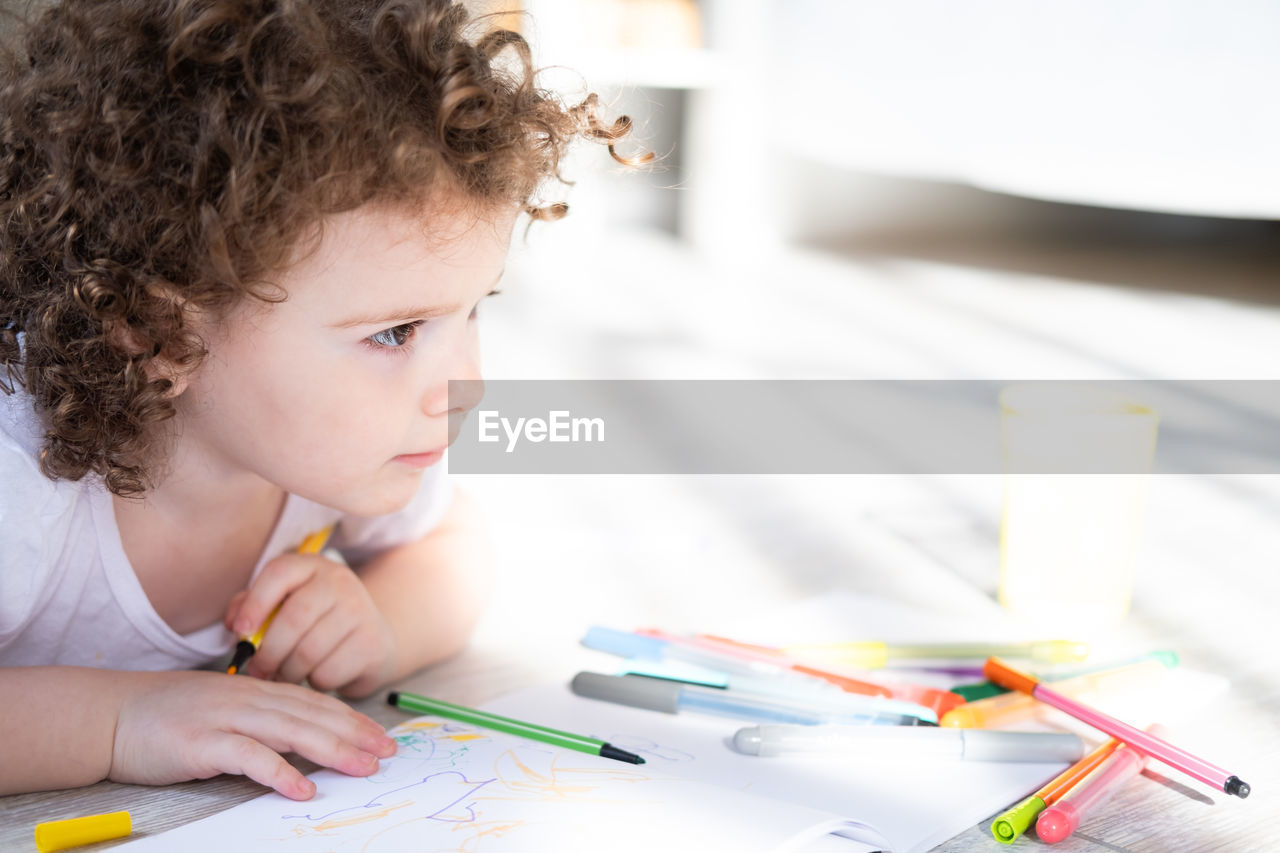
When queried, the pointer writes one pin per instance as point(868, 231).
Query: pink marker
point(1057, 822)
point(1006, 676)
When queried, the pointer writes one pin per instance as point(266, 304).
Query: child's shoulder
point(20, 427)
point(39, 518)
point(27, 494)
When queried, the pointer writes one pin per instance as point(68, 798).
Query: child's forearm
point(59, 724)
point(432, 591)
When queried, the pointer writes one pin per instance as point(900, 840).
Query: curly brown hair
point(163, 154)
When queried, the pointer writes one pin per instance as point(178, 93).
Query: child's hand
point(328, 629)
point(192, 725)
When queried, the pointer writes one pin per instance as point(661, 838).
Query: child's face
point(336, 393)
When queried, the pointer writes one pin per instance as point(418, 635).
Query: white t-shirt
point(68, 594)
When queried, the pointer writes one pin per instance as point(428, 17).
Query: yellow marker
point(873, 655)
point(61, 834)
point(248, 645)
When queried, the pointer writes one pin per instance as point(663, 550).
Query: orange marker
point(1008, 826)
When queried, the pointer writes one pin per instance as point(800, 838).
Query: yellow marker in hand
point(61, 834)
point(248, 645)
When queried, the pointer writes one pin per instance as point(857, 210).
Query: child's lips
point(420, 460)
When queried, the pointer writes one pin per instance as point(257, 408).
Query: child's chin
point(382, 501)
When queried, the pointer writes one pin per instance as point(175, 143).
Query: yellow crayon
point(61, 834)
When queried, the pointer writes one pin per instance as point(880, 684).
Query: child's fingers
point(294, 702)
point(274, 583)
point(361, 730)
point(304, 607)
point(287, 733)
point(346, 666)
point(363, 685)
point(233, 608)
point(229, 752)
point(321, 640)
point(347, 723)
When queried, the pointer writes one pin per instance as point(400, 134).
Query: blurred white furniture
point(1163, 107)
point(1153, 106)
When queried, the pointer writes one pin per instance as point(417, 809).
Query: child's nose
point(462, 392)
point(464, 395)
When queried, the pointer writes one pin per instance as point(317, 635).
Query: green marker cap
point(1007, 827)
point(980, 690)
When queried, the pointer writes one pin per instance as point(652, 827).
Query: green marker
point(422, 705)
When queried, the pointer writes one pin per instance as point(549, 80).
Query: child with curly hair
point(242, 248)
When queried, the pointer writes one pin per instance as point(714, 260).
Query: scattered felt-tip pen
point(1103, 687)
point(581, 743)
point(660, 645)
point(986, 689)
point(1001, 673)
point(656, 694)
point(873, 654)
point(1011, 823)
point(903, 743)
point(1060, 820)
point(940, 701)
point(769, 689)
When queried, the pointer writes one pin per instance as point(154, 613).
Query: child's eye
point(396, 336)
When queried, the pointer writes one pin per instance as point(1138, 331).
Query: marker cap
point(1001, 673)
point(1008, 827)
point(636, 691)
point(1057, 822)
point(980, 690)
point(748, 741)
point(1059, 651)
point(61, 834)
point(963, 717)
point(675, 671)
point(624, 644)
